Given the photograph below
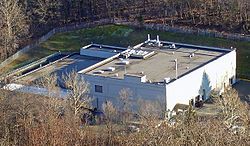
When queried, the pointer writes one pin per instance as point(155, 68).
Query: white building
point(157, 70)
point(171, 73)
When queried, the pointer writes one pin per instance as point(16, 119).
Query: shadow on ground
point(243, 88)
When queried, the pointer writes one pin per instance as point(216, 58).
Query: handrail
point(16, 71)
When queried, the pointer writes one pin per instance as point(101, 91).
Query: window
point(231, 80)
point(98, 88)
point(204, 94)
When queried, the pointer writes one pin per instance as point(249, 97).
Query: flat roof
point(155, 59)
point(161, 64)
point(104, 48)
point(75, 62)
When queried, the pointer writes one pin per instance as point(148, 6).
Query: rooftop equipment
point(149, 37)
point(99, 72)
point(176, 68)
point(137, 54)
point(172, 46)
point(167, 80)
point(124, 62)
point(111, 69)
point(191, 55)
point(158, 41)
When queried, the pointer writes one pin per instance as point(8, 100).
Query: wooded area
point(27, 119)
point(23, 20)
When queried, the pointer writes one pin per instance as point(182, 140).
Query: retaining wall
point(187, 30)
point(160, 27)
point(50, 34)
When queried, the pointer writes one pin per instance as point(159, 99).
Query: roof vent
point(99, 72)
point(172, 46)
point(126, 54)
point(149, 37)
point(167, 80)
point(191, 55)
point(124, 62)
point(109, 69)
point(158, 41)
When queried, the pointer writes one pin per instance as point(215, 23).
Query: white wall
point(112, 87)
point(187, 87)
point(179, 91)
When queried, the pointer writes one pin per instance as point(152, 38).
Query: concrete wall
point(211, 76)
point(187, 30)
point(112, 87)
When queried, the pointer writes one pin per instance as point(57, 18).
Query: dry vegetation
point(36, 120)
point(23, 20)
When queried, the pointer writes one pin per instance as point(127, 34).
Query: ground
point(243, 88)
point(124, 36)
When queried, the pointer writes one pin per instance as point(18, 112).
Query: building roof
point(160, 65)
point(154, 59)
point(74, 62)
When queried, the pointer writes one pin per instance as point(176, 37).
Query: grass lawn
point(124, 36)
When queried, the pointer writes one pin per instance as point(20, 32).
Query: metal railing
point(25, 67)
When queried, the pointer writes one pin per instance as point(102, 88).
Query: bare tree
point(49, 81)
point(149, 110)
point(235, 112)
point(55, 100)
point(109, 111)
point(125, 103)
point(13, 26)
point(47, 10)
point(124, 96)
point(78, 92)
point(110, 115)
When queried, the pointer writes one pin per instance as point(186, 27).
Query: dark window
point(231, 80)
point(98, 88)
point(204, 94)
